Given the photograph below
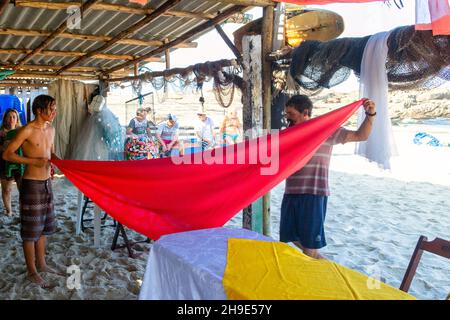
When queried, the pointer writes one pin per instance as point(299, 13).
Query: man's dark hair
point(42, 102)
point(301, 103)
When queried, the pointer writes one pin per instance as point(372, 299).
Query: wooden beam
point(20, 84)
point(266, 48)
point(90, 37)
point(3, 5)
point(186, 36)
point(110, 7)
point(62, 27)
point(54, 68)
point(74, 54)
point(229, 43)
point(125, 33)
point(27, 75)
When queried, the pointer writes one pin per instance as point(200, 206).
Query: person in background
point(205, 130)
point(10, 123)
point(231, 128)
point(139, 125)
point(167, 135)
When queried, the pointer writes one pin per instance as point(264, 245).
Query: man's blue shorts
point(302, 219)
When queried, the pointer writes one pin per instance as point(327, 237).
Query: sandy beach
point(374, 220)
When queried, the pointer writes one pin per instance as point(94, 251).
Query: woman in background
point(231, 128)
point(9, 172)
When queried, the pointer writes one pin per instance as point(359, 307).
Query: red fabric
point(158, 197)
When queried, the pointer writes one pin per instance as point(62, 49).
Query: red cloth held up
point(158, 197)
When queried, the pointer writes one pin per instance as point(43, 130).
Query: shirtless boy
point(36, 198)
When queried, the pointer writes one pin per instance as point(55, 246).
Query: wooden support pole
point(90, 37)
point(167, 57)
point(62, 27)
point(267, 40)
point(125, 33)
point(186, 36)
point(252, 116)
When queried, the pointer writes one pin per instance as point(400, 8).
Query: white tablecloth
point(190, 265)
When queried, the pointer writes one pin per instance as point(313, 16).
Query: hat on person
point(201, 111)
point(171, 116)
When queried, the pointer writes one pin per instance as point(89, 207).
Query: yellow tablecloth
point(275, 270)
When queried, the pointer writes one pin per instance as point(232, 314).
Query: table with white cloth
point(190, 265)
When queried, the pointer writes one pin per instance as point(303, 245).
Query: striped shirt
point(313, 177)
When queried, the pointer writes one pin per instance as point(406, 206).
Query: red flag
point(160, 196)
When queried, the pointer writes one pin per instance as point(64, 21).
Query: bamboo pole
point(103, 6)
point(125, 33)
point(62, 27)
point(90, 37)
point(189, 34)
point(267, 39)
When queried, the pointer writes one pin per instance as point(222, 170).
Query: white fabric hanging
point(380, 146)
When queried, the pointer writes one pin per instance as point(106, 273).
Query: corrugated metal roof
point(96, 22)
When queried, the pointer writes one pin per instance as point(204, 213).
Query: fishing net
point(416, 59)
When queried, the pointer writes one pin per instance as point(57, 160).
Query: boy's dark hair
point(41, 102)
point(301, 103)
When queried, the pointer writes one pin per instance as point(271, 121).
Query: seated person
point(139, 125)
point(205, 130)
point(167, 135)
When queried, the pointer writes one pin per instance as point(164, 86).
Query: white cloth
point(380, 146)
point(190, 265)
point(205, 129)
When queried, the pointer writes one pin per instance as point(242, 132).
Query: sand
point(374, 220)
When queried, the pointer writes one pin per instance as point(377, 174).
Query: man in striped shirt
point(305, 199)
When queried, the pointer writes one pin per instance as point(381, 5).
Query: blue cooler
point(8, 101)
point(192, 146)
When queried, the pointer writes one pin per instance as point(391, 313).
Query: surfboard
point(301, 24)
point(321, 25)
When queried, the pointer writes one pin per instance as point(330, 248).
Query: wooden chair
point(438, 246)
